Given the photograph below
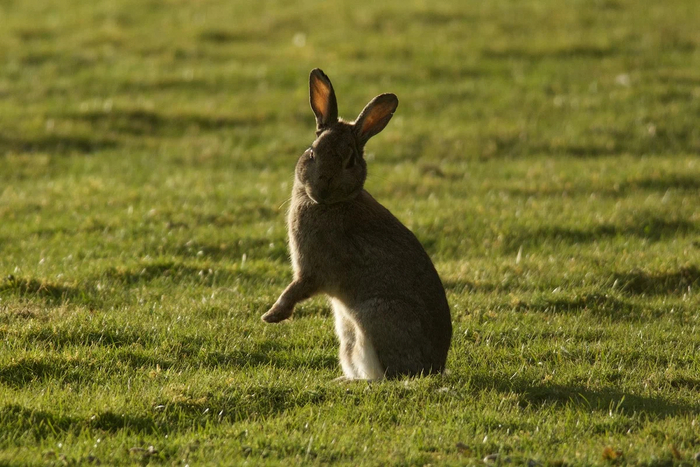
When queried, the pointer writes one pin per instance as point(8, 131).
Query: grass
point(545, 153)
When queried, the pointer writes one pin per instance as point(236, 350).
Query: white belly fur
point(362, 362)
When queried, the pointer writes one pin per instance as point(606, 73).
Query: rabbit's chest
point(313, 240)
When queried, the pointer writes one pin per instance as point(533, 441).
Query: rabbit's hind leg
point(345, 329)
point(400, 343)
point(365, 358)
point(357, 355)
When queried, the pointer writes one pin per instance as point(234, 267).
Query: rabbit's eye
point(310, 154)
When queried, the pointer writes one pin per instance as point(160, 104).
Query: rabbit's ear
point(375, 116)
point(322, 98)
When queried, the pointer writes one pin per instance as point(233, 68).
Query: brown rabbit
point(391, 313)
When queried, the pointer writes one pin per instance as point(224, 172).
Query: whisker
point(287, 201)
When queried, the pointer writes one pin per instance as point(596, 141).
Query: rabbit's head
point(333, 169)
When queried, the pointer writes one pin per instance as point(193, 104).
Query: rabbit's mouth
point(316, 198)
point(320, 194)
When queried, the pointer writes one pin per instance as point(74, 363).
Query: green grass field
point(546, 153)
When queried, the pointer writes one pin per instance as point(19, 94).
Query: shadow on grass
point(660, 283)
point(53, 294)
point(170, 270)
point(34, 33)
point(122, 279)
point(181, 412)
point(601, 305)
point(678, 182)
point(252, 247)
point(533, 394)
point(437, 17)
point(245, 213)
point(59, 339)
point(603, 400)
point(141, 122)
point(187, 352)
point(242, 214)
point(223, 36)
point(460, 286)
point(29, 371)
point(58, 294)
point(652, 228)
point(49, 292)
point(192, 351)
point(254, 403)
point(177, 273)
point(684, 382)
point(167, 84)
point(595, 144)
point(682, 80)
point(24, 372)
point(9, 313)
point(234, 404)
point(42, 424)
point(55, 144)
point(662, 184)
point(578, 51)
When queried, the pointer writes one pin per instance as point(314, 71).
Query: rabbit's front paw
point(277, 313)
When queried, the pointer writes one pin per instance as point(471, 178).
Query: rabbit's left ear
point(322, 99)
point(375, 116)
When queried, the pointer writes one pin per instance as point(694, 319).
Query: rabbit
point(391, 314)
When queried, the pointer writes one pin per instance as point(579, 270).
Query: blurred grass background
point(545, 153)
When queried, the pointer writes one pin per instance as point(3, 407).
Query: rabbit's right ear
point(322, 99)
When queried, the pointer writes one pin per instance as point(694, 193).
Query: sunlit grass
point(545, 154)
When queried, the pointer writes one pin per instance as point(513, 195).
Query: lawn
point(546, 154)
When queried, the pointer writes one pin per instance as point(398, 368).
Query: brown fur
point(392, 317)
